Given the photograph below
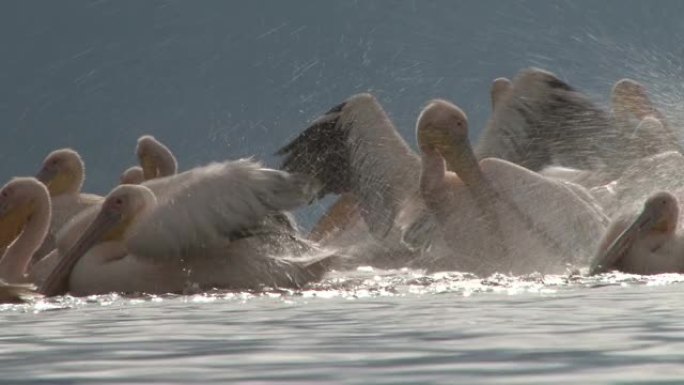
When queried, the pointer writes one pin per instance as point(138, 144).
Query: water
point(380, 328)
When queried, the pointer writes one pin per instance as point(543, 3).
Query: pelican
point(132, 175)
point(648, 138)
point(643, 178)
point(630, 101)
point(497, 216)
point(354, 150)
point(63, 173)
point(499, 92)
point(344, 213)
point(156, 161)
point(641, 131)
point(646, 243)
point(24, 222)
point(645, 129)
point(155, 158)
point(209, 229)
point(543, 121)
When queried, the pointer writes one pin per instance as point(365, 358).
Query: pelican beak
point(57, 282)
point(606, 261)
point(149, 167)
point(46, 175)
point(437, 141)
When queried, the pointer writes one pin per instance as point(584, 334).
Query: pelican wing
point(544, 121)
point(355, 148)
point(208, 204)
point(646, 176)
point(559, 215)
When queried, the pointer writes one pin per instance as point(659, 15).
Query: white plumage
point(212, 226)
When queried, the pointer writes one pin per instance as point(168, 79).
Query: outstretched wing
point(545, 121)
point(208, 204)
point(554, 212)
point(355, 148)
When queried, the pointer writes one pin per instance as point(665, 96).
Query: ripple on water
point(366, 326)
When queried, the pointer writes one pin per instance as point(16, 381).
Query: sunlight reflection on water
point(366, 326)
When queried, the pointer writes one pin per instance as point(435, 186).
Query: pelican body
point(544, 121)
point(495, 215)
point(645, 243)
point(206, 227)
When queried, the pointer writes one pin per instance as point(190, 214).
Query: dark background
point(225, 79)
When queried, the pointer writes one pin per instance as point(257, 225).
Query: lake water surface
point(369, 327)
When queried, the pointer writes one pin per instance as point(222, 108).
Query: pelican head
point(132, 175)
point(19, 199)
point(658, 217)
point(650, 126)
point(123, 204)
point(119, 210)
point(62, 172)
point(443, 127)
point(653, 133)
point(630, 96)
point(499, 90)
point(359, 102)
point(156, 159)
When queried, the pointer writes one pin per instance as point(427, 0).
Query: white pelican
point(24, 223)
point(645, 129)
point(344, 213)
point(63, 173)
point(355, 150)
point(648, 138)
point(646, 243)
point(641, 131)
point(210, 229)
point(543, 121)
point(500, 90)
point(496, 215)
point(643, 178)
point(156, 161)
point(132, 175)
point(155, 158)
point(631, 104)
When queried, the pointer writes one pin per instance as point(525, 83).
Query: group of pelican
point(221, 225)
point(554, 183)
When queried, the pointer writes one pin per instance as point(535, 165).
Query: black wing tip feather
point(548, 78)
point(321, 152)
point(337, 109)
point(331, 116)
